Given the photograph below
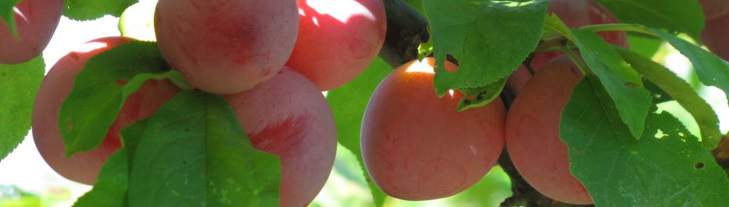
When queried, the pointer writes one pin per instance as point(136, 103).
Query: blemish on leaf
point(699, 165)
point(632, 85)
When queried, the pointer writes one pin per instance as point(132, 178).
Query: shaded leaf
point(621, 81)
point(678, 15)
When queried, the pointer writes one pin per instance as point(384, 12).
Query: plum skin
point(289, 117)
point(714, 8)
point(35, 21)
point(337, 39)
point(714, 36)
point(84, 167)
point(416, 146)
point(532, 133)
point(226, 46)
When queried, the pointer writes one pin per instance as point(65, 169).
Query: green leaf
point(644, 45)
point(712, 70)
point(92, 9)
point(111, 186)
point(554, 24)
point(659, 96)
point(19, 84)
point(678, 15)
point(622, 82)
point(666, 167)
point(113, 180)
point(348, 104)
point(98, 85)
point(8, 15)
point(682, 92)
point(479, 97)
point(195, 153)
point(490, 39)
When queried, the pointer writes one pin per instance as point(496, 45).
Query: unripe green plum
point(714, 8)
point(416, 146)
point(226, 46)
point(715, 36)
point(289, 117)
point(337, 39)
point(35, 21)
point(532, 133)
point(84, 167)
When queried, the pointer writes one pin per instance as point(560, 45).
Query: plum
point(289, 117)
point(337, 39)
point(532, 133)
point(416, 146)
point(714, 8)
point(226, 46)
point(35, 21)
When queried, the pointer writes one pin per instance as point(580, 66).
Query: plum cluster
point(269, 59)
point(416, 147)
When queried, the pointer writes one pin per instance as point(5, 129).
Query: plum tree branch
point(407, 29)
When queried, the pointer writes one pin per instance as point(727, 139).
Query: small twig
point(528, 64)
